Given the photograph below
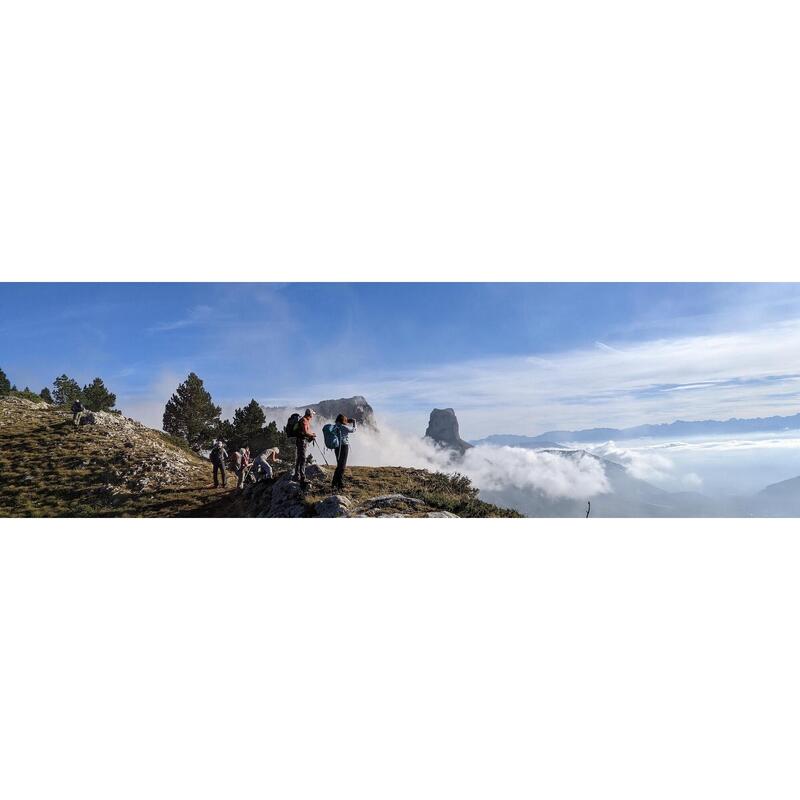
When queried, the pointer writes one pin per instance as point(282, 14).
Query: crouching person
point(263, 464)
point(218, 456)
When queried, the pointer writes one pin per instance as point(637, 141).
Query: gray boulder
point(315, 472)
point(287, 499)
point(337, 505)
point(389, 505)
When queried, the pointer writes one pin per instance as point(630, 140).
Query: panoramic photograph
point(434, 400)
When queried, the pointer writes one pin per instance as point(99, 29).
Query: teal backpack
point(331, 436)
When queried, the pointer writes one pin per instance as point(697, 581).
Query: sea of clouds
point(487, 467)
point(714, 466)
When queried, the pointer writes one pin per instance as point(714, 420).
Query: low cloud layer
point(718, 466)
point(487, 467)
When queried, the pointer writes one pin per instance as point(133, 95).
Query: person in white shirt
point(263, 464)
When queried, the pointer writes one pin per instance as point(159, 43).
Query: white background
point(369, 141)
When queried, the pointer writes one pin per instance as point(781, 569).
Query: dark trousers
point(341, 462)
point(219, 468)
point(300, 462)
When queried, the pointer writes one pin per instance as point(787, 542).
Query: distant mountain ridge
point(663, 430)
point(516, 440)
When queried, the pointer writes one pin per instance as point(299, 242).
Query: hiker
point(241, 461)
point(342, 432)
point(263, 464)
point(218, 456)
point(77, 412)
point(304, 436)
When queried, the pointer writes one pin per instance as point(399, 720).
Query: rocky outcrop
point(443, 429)
point(337, 505)
point(286, 499)
point(389, 505)
point(356, 408)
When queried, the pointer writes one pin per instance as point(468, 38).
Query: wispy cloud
point(699, 377)
point(606, 348)
point(195, 316)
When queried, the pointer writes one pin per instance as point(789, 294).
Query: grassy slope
point(50, 468)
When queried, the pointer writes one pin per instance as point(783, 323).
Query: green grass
point(51, 468)
point(440, 492)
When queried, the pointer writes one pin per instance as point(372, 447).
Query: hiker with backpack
point(337, 438)
point(77, 412)
point(300, 428)
point(241, 462)
point(218, 456)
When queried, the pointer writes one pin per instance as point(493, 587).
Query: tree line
point(94, 396)
point(191, 415)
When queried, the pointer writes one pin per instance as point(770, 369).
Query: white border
point(511, 141)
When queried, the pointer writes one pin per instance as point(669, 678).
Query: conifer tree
point(248, 421)
point(97, 398)
point(191, 414)
point(66, 390)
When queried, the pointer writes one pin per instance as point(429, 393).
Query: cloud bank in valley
point(487, 467)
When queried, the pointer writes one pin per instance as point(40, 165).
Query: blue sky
point(506, 356)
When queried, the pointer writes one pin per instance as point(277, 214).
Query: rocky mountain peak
point(443, 429)
point(355, 407)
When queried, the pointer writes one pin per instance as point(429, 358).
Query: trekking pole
point(321, 451)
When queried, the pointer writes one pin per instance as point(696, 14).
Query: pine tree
point(45, 395)
point(224, 430)
point(272, 436)
point(5, 383)
point(248, 422)
point(191, 414)
point(66, 390)
point(97, 398)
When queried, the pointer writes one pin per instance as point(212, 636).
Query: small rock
point(314, 471)
point(392, 499)
point(336, 505)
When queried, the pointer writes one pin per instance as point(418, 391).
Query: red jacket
point(305, 428)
